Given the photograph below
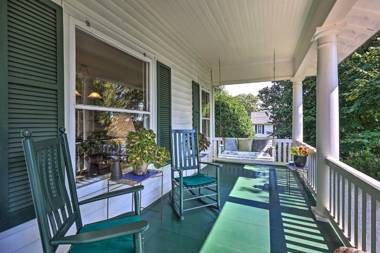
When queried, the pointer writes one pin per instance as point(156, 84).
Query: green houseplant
point(300, 154)
point(142, 150)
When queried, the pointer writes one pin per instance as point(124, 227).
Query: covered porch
point(265, 209)
point(179, 52)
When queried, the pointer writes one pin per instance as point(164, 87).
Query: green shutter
point(31, 60)
point(196, 107)
point(164, 105)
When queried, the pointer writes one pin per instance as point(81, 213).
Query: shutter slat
point(32, 60)
point(42, 9)
point(19, 22)
point(35, 16)
point(34, 85)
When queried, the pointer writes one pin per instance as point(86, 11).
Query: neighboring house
point(262, 124)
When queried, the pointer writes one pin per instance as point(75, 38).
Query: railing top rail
point(283, 140)
point(360, 176)
point(254, 138)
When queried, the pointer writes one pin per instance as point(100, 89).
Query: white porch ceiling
point(242, 33)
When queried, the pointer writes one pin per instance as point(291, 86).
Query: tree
point(359, 99)
point(277, 99)
point(231, 118)
point(249, 101)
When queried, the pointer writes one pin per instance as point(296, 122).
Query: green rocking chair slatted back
point(49, 165)
point(190, 188)
point(54, 209)
point(184, 150)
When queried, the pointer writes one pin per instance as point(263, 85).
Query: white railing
point(311, 168)
point(279, 150)
point(354, 198)
point(354, 205)
point(217, 146)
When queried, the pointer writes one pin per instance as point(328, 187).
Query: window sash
point(109, 109)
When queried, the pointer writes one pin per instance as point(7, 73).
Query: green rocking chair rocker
point(193, 191)
point(57, 208)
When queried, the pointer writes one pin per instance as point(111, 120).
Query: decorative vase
point(141, 170)
point(300, 161)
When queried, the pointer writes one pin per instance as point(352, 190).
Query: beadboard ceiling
point(243, 34)
point(238, 31)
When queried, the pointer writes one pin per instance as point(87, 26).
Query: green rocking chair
point(194, 191)
point(57, 208)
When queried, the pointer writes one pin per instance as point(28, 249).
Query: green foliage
point(142, 148)
point(359, 77)
point(249, 101)
point(277, 99)
point(364, 160)
point(359, 100)
point(309, 110)
point(231, 118)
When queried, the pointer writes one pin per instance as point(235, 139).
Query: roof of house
point(262, 117)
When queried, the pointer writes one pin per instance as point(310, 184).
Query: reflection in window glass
point(101, 135)
point(205, 104)
point(206, 127)
point(108, 77)
point(206, 113)
point(110, 86)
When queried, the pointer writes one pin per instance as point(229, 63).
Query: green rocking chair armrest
point(112, 194)
point(94, 236)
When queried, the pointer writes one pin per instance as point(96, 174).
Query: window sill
point(90, 180)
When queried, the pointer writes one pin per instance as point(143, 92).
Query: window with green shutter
point(31, 97)
point(164, 105)
point(196, 107)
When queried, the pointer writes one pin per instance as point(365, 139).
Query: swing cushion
point(122, 244)
point(197, 180)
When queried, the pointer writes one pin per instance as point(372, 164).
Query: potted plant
point(300, 154)
point(142, 150)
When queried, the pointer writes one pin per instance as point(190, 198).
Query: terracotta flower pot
point(141, 170)
point(300, 161)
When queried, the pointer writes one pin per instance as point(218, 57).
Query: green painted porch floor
point(263, 211)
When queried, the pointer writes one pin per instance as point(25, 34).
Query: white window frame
point(260, 129)
point(70, 26)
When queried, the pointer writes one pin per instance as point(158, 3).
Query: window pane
point(109, 77)
point(205, 104)
point(102, 134)
point(206, 127)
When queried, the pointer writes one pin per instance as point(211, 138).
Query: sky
point(246, 88)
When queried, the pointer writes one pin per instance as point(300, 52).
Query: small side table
point(131, 179)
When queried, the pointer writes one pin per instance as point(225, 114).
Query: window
point(205, 113)
point(259, 129)
point(112, 99)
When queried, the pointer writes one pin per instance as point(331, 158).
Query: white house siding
point(137, 27)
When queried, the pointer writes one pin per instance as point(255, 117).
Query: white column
point(327, 113)
point(297, 124)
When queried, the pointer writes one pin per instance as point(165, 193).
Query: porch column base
point(322, 216)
